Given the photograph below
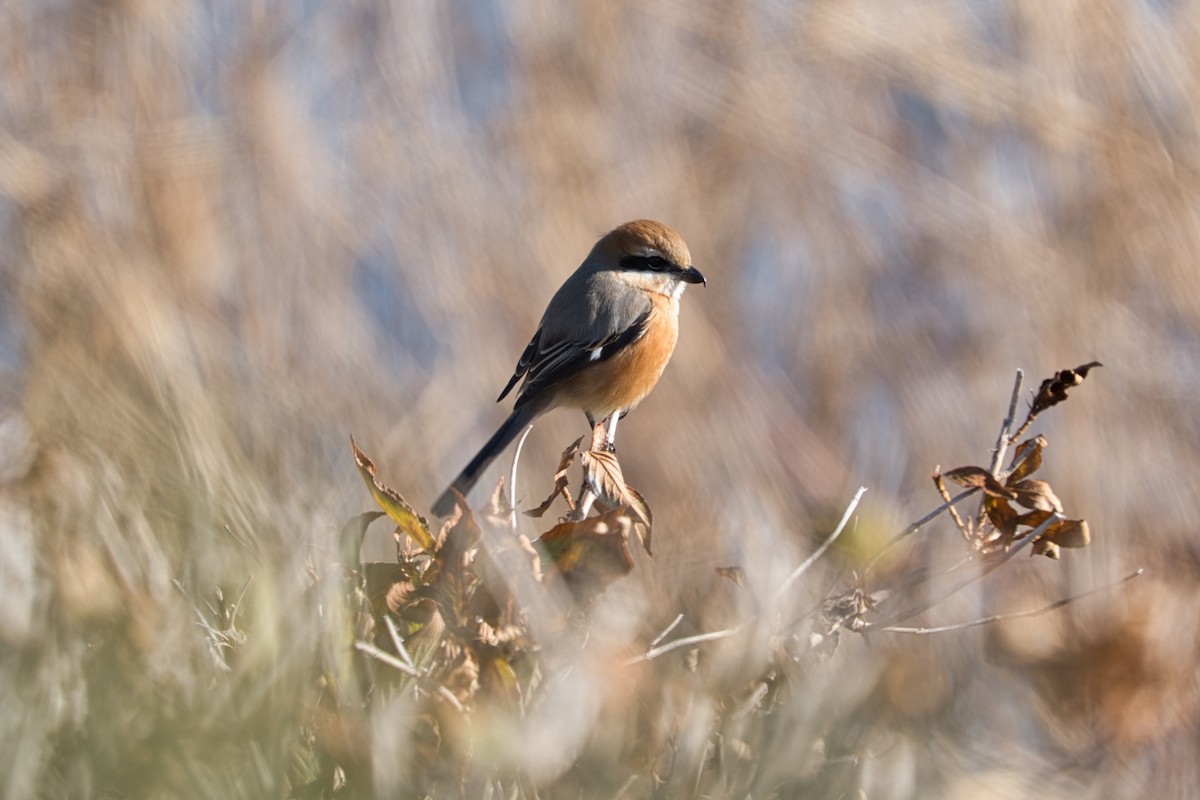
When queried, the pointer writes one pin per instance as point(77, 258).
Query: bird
point(603, 341)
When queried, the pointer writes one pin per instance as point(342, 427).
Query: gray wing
point(591, 318)
point(523, 363)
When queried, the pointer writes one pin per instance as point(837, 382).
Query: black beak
point(692, 275)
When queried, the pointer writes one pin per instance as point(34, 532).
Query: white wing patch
point(596, 354)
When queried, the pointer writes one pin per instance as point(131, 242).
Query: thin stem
point(397, 642)
point(395, 663)
point(808, 562)
point(387, 658)
point(989, 568)
point(1002, 441)
point(667, 630)
point(1004, 617)
point(916, 526)
point(512, 479)
point(656, 650)
point(945, 495)
point(699, 638)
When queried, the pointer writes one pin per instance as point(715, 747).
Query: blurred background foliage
point(233, 233)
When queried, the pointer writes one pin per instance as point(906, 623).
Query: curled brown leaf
point(602, 473)
point(978, 478)
point(1002, 517)
point(590, 553)
point(1045, 547)
point(1070, 533)
point(1027, 459)
point(561, 482)
point(1036, 494)
point(735, 574)
point(1054, 390)
point(644, 525)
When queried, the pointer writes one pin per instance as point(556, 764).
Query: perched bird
point(603, 341)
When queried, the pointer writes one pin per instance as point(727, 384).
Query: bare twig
point(394, 633)
point(837, 531)
point(1002, 441)
point(1019, 615)
point(667, 630)
point(387, 658)
point(395, 663)
point(686, 641)
point(958, 520)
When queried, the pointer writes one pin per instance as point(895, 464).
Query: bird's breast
point(622, 380)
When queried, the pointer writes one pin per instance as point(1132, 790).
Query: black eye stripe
point(646, 263)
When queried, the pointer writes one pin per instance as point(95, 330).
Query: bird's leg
point(603, 440)
point(610, 439)
point(584, 506)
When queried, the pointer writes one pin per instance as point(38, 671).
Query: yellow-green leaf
point(408, 521)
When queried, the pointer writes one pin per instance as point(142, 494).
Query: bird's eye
point(650, 263)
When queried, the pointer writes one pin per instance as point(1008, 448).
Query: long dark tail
point(486, 455)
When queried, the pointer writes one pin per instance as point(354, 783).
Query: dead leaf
point(641, 509)
point(602, 472)
point(735, 574)
point(1070, 533)
point(1027, 459)
point(1033, 519)
point(1063, 533)
point(1036, 494)
point(499, 680)
point(389, 585)
point(454, 577)
point(462, 678)
point(1054, 390)
point(498, 504)
point(978, 478)
point(1002, 517)
point(408, 521)
point(1045, 547)
point(561, 482)
point(460, 512)
point(352, 535)
point(591, 553)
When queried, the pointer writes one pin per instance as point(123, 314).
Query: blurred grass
point(234, 233)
